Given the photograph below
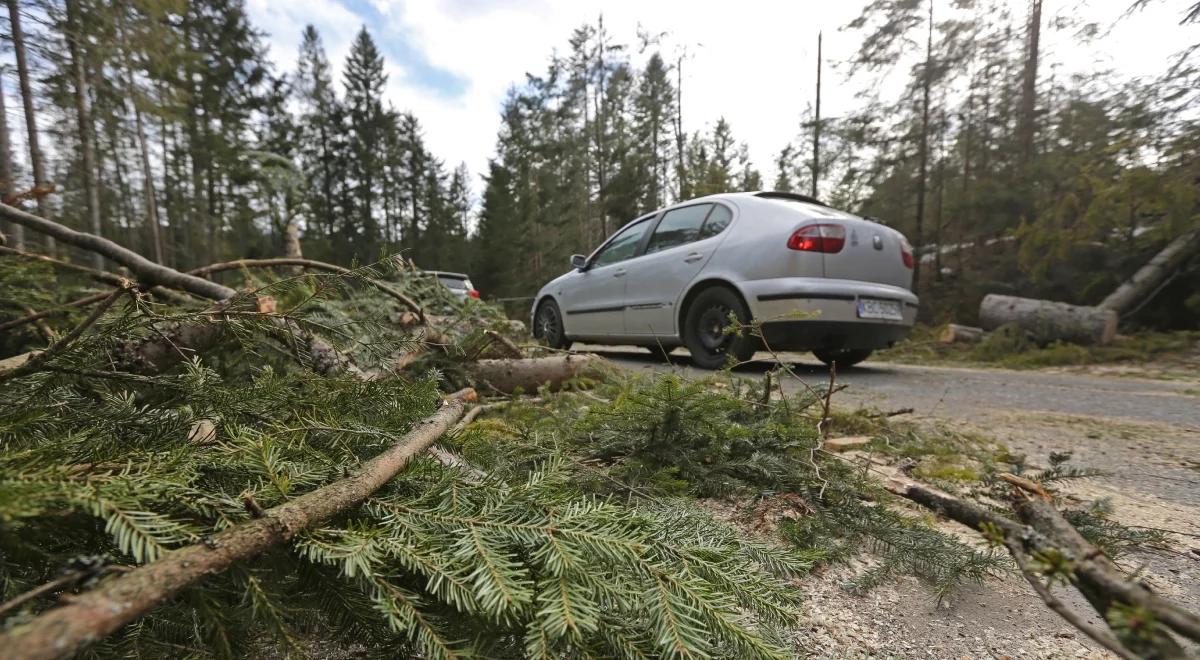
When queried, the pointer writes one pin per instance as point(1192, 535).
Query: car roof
point(444, 273)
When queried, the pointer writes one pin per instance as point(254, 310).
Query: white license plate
point(869, 308)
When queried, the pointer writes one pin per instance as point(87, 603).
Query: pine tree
point(653, 108)
point(321, 143)
point(364, 82)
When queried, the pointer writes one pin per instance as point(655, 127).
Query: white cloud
point(751, 62)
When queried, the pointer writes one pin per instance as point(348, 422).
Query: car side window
point(622, 246)
point(716, 223)
point(678, 227)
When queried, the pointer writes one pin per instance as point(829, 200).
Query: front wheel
point(704, 329)
point(843, 357)
point(548, 326)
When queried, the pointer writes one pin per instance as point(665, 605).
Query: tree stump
point(954, 333)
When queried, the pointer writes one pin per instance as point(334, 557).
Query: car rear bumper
point(807, 313)
point(811, 335)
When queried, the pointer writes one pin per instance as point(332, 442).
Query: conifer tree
point(364, 81)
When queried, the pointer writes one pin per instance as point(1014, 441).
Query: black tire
point(704, 329)
point(844, 357)
point(548, 325)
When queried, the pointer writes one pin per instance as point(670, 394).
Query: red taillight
point(473, 293)
point(818, 238)
point(906, 254)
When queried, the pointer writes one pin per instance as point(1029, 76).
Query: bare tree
point(816, 164)
point(148, 195)
point(16, 232)
point(35, 151)
point(1027, 115)
point(83, 114)
point(923, 174)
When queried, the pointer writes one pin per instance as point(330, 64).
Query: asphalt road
point(965, 393)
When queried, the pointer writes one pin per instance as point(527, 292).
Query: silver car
point(817, 279)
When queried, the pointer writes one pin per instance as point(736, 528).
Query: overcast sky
point(452, 61)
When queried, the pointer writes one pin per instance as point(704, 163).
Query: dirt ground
point(1144, 433)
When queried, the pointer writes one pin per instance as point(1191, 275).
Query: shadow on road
point(633, 356)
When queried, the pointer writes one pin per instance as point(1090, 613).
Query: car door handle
point(695, 256)
point(619, 273)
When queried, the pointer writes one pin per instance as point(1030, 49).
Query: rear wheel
point(704, 329)
point(843, 357)
point(548, 325)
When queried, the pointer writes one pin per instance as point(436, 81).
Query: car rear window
point(678, 227)
point(453, 282)
point(716, 223)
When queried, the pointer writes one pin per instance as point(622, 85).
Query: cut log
point(1146, 281)
point(62, 631)
point(510, 376)
point(1049, 321)
point(954, 333)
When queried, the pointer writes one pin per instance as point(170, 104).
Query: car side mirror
point(578, 261)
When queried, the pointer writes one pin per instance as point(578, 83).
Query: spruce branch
point(59, 346)
point(62, 631)
point(315, 265)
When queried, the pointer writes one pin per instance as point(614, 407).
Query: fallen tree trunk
point(62, 631)
point(527, 375)
point(1049, 321)
point(1145, 282)
point(954, 333)
point(143, 269)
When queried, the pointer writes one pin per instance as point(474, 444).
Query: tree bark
point(16, 232)
point(31, 127)
point(954, 333)
point(83, 116)
point(62, 631)
point(510, 376)
point(1145, 282)
point(291, 245)
point(1049, 321)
